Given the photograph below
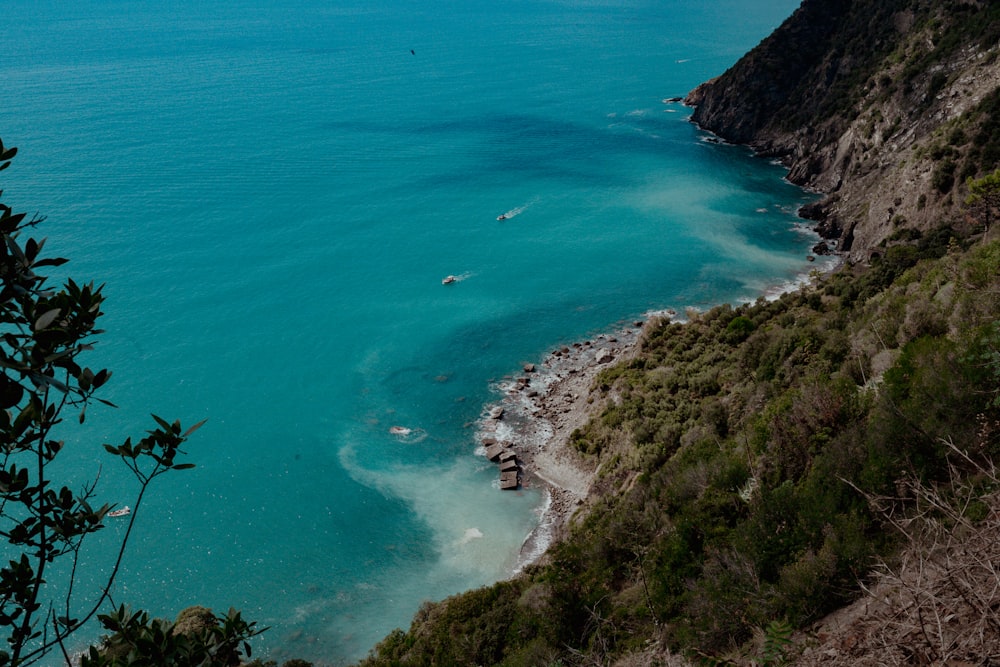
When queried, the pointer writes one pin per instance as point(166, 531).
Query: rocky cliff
point(885, 106)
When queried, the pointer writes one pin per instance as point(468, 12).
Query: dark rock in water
point(821, 248)
point(829, 225)
point(810, 258)
point(673, 100)
point(830, 228)
point(815, 211)
point(529, 368)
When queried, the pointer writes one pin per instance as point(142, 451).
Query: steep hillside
point(761, 467)
point(752, 462)
point(886, 106)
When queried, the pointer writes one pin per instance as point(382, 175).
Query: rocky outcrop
point(879, 104)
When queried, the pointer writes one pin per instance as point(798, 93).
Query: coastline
point(535, 418)
point(542, 406)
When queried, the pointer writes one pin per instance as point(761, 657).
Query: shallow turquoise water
point(272, 193)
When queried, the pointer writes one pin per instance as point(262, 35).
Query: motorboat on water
point(125, 511)
point(448, 280)
point(502, 216)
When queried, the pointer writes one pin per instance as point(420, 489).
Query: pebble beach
point(540, 409)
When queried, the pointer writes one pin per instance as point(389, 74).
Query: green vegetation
point(984, 198)
point(44, 333)
point(970, 148)
point(738, 455)
point(197, 637)
point(849, 50)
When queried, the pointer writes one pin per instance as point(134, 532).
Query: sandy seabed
point(539, 411)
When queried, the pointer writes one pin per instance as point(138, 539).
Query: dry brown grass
point(939, 604)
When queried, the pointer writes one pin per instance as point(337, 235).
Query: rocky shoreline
point(539, 411)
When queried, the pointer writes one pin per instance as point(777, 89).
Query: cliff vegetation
point(741, 454)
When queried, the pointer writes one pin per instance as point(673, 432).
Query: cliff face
point(886, 106)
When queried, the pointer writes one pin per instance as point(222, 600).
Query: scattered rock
point(604, 357)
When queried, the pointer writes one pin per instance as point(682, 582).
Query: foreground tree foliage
point(43, 333)
point(739, 454)
point(197, 637)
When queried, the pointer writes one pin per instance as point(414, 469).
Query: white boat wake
point(455, 278)
point(514, 211)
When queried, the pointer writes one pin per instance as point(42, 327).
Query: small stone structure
point(498, 451)
point(509, 481)
point(510, 468)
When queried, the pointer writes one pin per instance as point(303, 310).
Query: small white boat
point(502, 216)
point(400, 430)
point(448, 280)
point(125, 511)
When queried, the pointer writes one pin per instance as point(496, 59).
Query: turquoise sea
point(272, 192)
